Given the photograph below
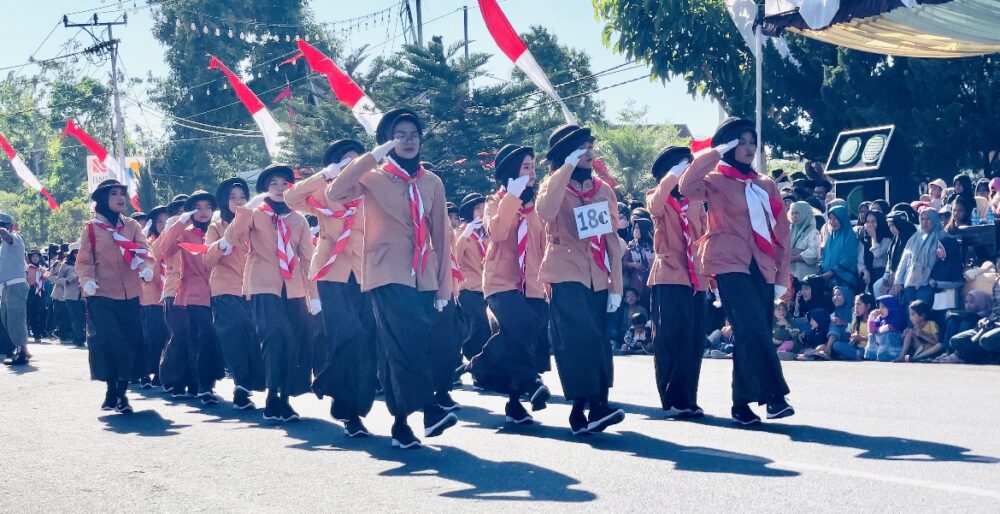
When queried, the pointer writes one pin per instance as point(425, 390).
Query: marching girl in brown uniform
point(518, 348)
point(154, 325)
point(276, 280)
point(36, 275)
point(407, 269)
point(585, 277)
point(112, 262)
point(171, 278)
point(192, 356)
point(470, 251)
point(745, 247)
point(678, 288)
point(348, 373)
point(231, 314)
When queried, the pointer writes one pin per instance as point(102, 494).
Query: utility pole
point(420, 24)
point(465, 25)
point(111, 45)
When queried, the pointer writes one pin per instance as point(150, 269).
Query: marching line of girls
point(230, 281)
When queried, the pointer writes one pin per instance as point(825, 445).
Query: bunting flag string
point(25, 174)
point(343, 87)
point(265, 121)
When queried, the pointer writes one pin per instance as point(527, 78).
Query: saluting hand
point(255, 201)
point(679, 168)
point(381, 151)
point(723, 149)
point(574, 158)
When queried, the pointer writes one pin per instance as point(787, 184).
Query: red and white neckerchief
point(39, 280)
point(522, 233)
point(681, 208)
point(763, 208)
point(598, 244)
point(162, 266)
point(348, 215)
point(456, 272)
point(132, 251)
point(195, 248)
point(420, 248)
point(480, 240)
point(286, 254)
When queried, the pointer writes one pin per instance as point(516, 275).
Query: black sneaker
point(123, 407)
point(208, 398)
point(20, 358)
point(437, 420)
point(177, 392)
point(272, 409)
point(155, 382)
point(145, 383)
point(779, 409)
point(444, 401)
point(192, 391)
point(110, 401)
point(355, 428)
point(402, 437)
point(602, 417)
point(578, 422)
point(336, 413)
point(517, 414)
point(241, 399)
point(742, 415)
point(540, 397)
point(288, 414)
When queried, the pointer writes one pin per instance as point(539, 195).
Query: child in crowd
point(885, 328)
point(637, 337)
point(839, 320)
point(814, 339)
point(784, 335)
point(720, 343)
point(923, 338)
point(630, 308)
point(852, 348)
point(813, 294)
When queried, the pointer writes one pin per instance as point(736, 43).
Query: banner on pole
point(97, 170)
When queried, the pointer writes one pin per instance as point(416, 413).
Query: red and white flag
point(115, 169)
point(25, 174)
point(345, 89)
point(511, 45)
point(263, 117)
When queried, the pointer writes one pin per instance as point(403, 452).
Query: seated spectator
point(961, 185)
point(784, 335)
point(838, 327)
point(863, 209)
point(720, 343)
point(637, 338)
point(935, 189)
point(995, 195)
point(873, 257)
point(880, 205)
point(977, 307)
point(812, 294)
point(804, 241)
point(912, 278)
point(902, 229)
point(981, 345)
point(839, 252)
point(982, 196)
point(922, 342)
point(885, 330)
point(815, 336)
point(624, 322)
point(946, 277)
point(945, 214)
point(853, 348)
point(961, 214)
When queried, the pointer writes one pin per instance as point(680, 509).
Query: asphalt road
point(868, 437)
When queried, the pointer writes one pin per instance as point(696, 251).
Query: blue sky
point(572, 21)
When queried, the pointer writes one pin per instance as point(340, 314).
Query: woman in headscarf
point(947, 278)
point(965, 324)
point(804, 242)
point(746, 248)
point(902, 230)
point(839, 254)
point(113, 259)
point(637, 259)
point(875, 239)
point(912, 277)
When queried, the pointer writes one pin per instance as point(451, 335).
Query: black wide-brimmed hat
point(275, 169)
point(139, 216)
point(198, 196)
point(668, 158)
point(33, 251)
point(222, 192)
point(156, 211)
point(335, 152)
point(452, 208)
point(507, 164)
point(731, 128)
point(564, 140)
point(53, 249)
point(469, 204)
point(383, 132)
point(105, 186)
point(177, 202)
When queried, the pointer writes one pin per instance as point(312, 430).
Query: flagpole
point(759, 86)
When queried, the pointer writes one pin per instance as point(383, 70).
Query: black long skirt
point(192, 356)
point(678, 316)
point(404, 335)
point(747, 300)
point(282, 326)
point(447, 333)
point(116, 339)
point(508, 362)
point(580, 341)
point(477, 325)
point(237, 337)
point(154, 337)
point(349, 374)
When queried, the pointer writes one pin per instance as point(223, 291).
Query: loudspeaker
point(875, 158)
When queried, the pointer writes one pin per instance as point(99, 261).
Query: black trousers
point(748, 300)
point(237, 337)
point(404, 334)
point(282, 331)
point(580, 342)
point(348, 375)
point(508, 362)
point(77, 320)
point(678, 315)
point(36, 313)
point(60, 317)
point(154, 337)
point(116, 339)
point(192, 356)
point(473, 306)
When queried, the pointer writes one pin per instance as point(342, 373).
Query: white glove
point(90, 287)
point(185, 217)
point(315, 307)
point(440, 305)
point(334, 169)
point(779, 291)
point(471, 226)
point(381, 151)
point(679, 168)
point(722, 149)
point(225, 247)
point(170, 221)
point(574, 158)
point(147, 226)
point(515, 186)
point(146, 275)
point(255, 201)
point(614, 301)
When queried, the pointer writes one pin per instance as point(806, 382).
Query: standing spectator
point(876, 239)
point(902, 230)
point(839, 254)
point(913, 276)
point(13, 290)
point(804, 241)
point(638, 258)
point(946, 277)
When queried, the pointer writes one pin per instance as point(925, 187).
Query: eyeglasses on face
point(406, 136)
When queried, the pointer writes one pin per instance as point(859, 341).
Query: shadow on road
point(22, 369)
point(147, 423)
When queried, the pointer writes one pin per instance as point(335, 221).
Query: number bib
point(593, 220)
